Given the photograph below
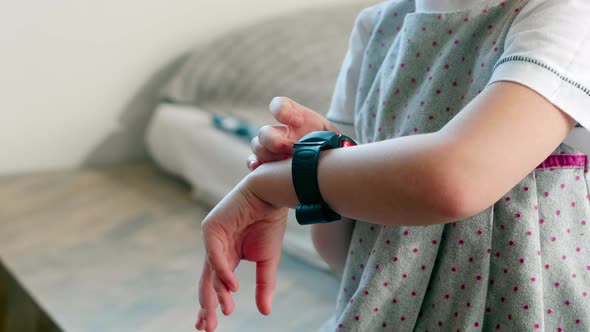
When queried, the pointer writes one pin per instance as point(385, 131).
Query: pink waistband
point(564, 161)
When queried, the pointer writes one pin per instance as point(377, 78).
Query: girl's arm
point(496, 140)
point(457, 172)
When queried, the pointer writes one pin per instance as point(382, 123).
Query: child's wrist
point(273, 184)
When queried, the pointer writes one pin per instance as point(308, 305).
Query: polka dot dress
point(521, 265)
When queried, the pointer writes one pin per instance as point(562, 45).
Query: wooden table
point(18, 310)
point(118, 249)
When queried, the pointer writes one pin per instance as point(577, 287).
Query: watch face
point(318, 136)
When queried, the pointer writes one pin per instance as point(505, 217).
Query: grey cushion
point(297, 56)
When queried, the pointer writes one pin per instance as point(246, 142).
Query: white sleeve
point(547, 48)
point(341, 112)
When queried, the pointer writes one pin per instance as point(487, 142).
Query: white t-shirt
point(552, 37)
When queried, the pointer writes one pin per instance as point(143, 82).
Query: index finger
point(219, 262)
point(208, 300)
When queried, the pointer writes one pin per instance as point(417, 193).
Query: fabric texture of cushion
point(298, 56)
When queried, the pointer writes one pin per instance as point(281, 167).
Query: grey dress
point(522, 264)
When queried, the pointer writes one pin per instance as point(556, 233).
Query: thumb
point(288, 112)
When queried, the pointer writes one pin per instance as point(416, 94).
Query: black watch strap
point(312, 208)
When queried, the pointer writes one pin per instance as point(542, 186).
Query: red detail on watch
point(346, 144)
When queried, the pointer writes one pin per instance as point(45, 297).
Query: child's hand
point(276, 142)
point(241, 226)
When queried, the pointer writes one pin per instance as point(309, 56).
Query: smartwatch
point(304, 170)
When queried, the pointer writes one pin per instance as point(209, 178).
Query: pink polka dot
point(537, 326)
point(533, 279)
point(546, 194)
point(557, 284)
point(526, 188)
point(542, 221)
point(578, 321)
point(405, 276)
point(558, 212)
point(394, 301)
point(525, 307)
point(521, 261)
point(461, 242)
point(375, 309)
point(549, 311)
point(547, 266)
point(567, 302)
point(403, 318)
point(476, 324)
point(507, 199)
point(415, 250)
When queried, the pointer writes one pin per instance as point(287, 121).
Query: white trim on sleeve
point(568, 95)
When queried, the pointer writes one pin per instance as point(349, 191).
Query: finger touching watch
point(304, 170)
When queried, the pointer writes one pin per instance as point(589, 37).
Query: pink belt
point(564, 161)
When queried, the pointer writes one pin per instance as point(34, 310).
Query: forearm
point(394, 182)
point(438, 177)
point(331, 241)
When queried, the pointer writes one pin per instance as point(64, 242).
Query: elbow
point(456, 195)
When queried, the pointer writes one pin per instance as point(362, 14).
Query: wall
point(78, 77)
